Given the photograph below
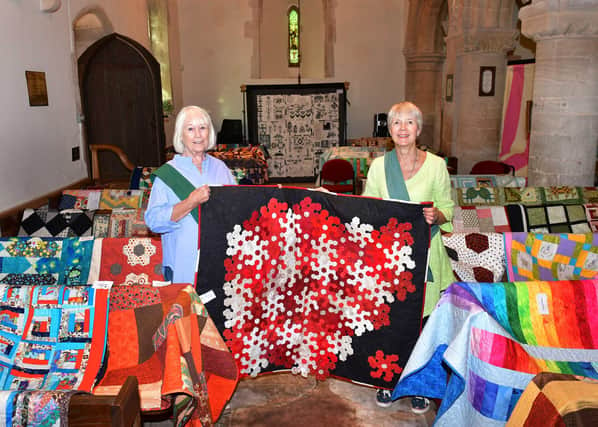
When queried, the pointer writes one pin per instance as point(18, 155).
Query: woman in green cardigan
point(408, 173)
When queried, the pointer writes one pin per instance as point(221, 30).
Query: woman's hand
point(434, 216)
point(197, 197)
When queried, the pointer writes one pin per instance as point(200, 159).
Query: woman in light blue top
point(179, 187)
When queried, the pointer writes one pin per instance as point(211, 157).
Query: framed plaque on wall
point(296, 123)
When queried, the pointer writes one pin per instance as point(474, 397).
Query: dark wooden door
point(122, 103)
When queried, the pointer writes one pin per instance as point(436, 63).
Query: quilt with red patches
point(313, 282)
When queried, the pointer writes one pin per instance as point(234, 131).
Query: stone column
point(424, 77)
point(564, 133)
point(476, 119)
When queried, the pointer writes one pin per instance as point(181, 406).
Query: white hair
point(177, 139)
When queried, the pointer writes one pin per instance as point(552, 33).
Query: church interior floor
point(284, 399)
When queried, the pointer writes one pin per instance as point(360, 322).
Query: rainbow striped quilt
point(484, 342)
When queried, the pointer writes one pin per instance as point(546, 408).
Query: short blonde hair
point(408, 107)
point(177, 139)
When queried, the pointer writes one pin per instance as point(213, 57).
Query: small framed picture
point(36, 88)
point(487, 77)
point(448, 90)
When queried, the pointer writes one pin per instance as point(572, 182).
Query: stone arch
point(424, 55)
point(90, 25)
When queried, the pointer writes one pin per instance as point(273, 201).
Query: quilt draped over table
point(485, 341)
point(165, 337)
point(314, 282)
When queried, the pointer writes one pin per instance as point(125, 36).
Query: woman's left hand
point(432, 215)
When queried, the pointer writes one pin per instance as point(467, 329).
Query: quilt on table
point(466, 181)
point(128, 223)
point(557, 400)
point(476, 257)
point(484, 219)
point(101, 223)
point(538, 256)
point(318, 283)
point(247, 163)
point(557, 219)
point(590, 194)
point(44, 222)
point(165, 337)
point(592, 215)
point(125, 199)
point(475, 196)
point(35, 408)
point(52, 337)
point(128, 261)
point(140, 178)
point(484, 342)
point(80, 199)
point(45, 261)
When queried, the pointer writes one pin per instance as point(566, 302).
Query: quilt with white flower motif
point(313, 282)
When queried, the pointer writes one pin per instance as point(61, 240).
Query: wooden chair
point(491, 167)
point(334, 174)
point(95, 161)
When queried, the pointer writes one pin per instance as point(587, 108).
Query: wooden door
point(122, 103)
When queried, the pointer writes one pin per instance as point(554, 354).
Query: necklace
point(412, 167)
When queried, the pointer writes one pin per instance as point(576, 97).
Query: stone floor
point(292, 401)
point(287, 400)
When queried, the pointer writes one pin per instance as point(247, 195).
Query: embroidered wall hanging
point(314, 282)
point(296, 123)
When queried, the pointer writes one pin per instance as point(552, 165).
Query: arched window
point(158, 34)
point(293, 33)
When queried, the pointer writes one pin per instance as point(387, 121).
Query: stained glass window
point(294, 48)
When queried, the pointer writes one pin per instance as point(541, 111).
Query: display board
point(296, 123)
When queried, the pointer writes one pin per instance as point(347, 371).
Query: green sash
point(397, 189)
point(177, 183)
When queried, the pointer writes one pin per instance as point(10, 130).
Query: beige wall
point(37, 141)
point(219, 41)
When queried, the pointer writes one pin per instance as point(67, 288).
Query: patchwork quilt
point(124, 199)
point(592, 215)
point(51, 337)
point(314, 282)
point(467, 181)
point(128, 261)
point(140, 178)
point(128, 223)
point(557, 400)
point(537, 256)
point(45, 261)
point(485, 219)
point(35, 408)
point(476, 257)
point(557, 218)
point(44, 222)
point(80, 199)
point(475, 196)
point(166, 338)
point(484, 342)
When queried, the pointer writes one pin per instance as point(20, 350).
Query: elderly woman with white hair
point(179, 187)
point(408, 173)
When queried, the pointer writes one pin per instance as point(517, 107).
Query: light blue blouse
point(179, 239)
